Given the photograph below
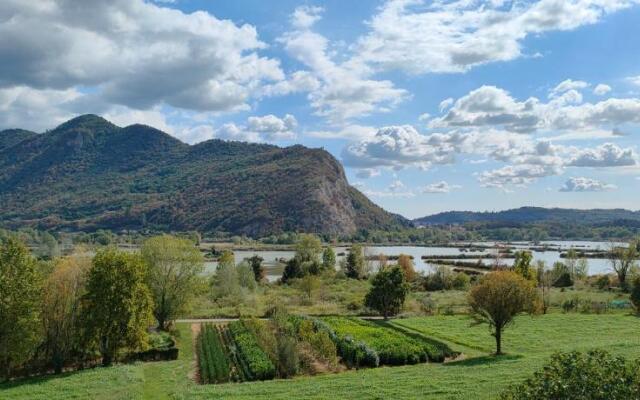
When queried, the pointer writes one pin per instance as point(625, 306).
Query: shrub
point(393, 347)
point(353, 353)
point(320, 341)
point(603, 282)
point(213, 363)
point(635, 294)
point(564, 280)
point(596, 375)
point(259, 365)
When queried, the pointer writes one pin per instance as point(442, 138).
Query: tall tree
point(388, 291)
point(329, 259)
point(20, 296)
point(308, 248)
point(623, 259)
point(174, 266)
point(522, 265)
point(499, 298)
point(355, 264)
point(61, 308)
point(118, 304)
point(258, 269)
point(406, 263)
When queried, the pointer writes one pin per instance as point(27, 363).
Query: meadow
point(476, 374)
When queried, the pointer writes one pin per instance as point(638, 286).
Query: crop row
point(392, 345)
point(255, 362)
point(212, 359)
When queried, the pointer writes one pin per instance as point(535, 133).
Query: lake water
point(596, 266)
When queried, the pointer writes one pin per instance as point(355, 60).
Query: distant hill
point(525, 215)
point(89, 173)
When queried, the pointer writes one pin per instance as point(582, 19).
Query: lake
point(596, 266)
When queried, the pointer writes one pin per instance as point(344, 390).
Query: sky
point(430, 105)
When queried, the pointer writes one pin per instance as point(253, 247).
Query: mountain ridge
point(88, 173)
point(529, 214)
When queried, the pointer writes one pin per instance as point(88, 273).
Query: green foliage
point(355, 263)
point(635, 294)
point(329, 259)
point(174, 267)
point(259, 365)
point(388, 292)
point(118, 304)
point(257, 268)
point(319, 340)
point(498, 298)
point(443, 278)
point(20, 294)
point(595, 375)
point(212, 360)
point(522, 265)
point(354, 353)
point(392, 346)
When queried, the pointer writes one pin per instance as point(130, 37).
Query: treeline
point(80, 309)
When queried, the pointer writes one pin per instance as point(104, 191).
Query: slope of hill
point(533, 215)
point(88, 174)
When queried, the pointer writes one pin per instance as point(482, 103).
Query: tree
point(522, 265)
point(292, 270)
point(225, 282)
point(355, 264)
point(545, 281)
point(308, 248)
point(256, 265)
point(174, 266)
point(622, 260)
point(388, 292)
point(405, 262)
point(329, 259)
point(635, 294)
point(498, 298)
point(118, 304)
point(61, 308)
point(578, 266)
point(20, 296)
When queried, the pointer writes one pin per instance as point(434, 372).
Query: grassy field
point(480, 376)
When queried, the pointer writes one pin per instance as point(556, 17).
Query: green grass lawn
point(528, 344)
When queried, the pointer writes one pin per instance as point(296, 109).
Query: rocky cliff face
point(89, 174)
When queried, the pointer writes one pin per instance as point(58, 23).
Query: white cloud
point(601, 89)
point(516, 175)
point(272, 127)
point(27, 108)
point(634, 80)
point(585, 185)
point(566, 86)
point(132, 53)
point(492, 106)
point(440, 187)
point(445, 104)
point(350, 132)
point(399, 147)
point(344, 90)
point(395, 189)
point(463, 34)
point(606, 155)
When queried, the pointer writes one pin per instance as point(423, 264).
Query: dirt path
point(194, 372)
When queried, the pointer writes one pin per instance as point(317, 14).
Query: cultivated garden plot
point(250, 350)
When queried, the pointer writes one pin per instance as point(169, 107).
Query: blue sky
point(430, 105)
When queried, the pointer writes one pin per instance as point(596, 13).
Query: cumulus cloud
point(24, 107)
point(516, 175)
point(606, 155)
point(440, 187)
point(366, 173)
point(601, 89)
point(635, 80)
point(463, 34)
point(395, 189)
point(495, 107)
point(399, 147)
point(344, 90)
point(132, 53)
point(566, 86)
point(272, 127)
point(585, 185)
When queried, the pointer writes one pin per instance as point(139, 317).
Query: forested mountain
point(529, 215)
point(88, 173)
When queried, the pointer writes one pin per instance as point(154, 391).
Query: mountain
point(526, 215)
point(89, 173)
